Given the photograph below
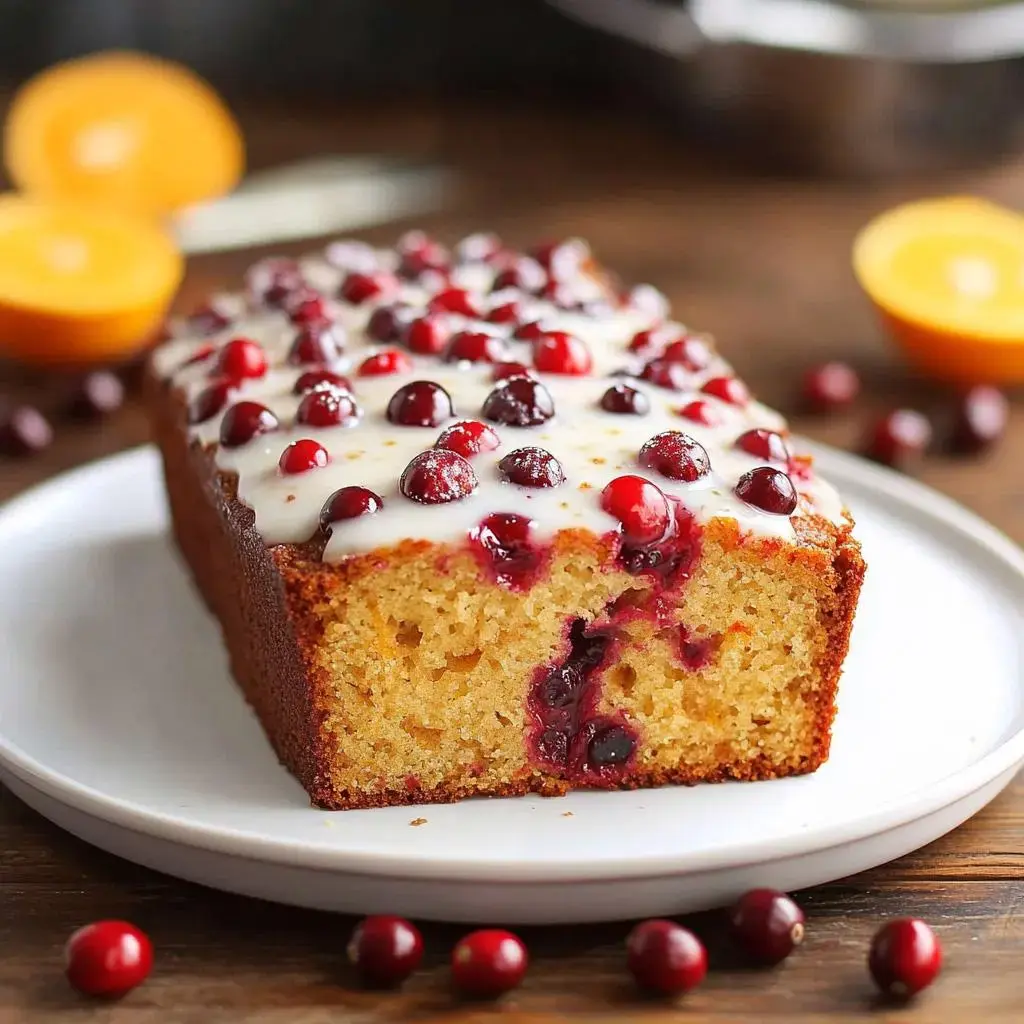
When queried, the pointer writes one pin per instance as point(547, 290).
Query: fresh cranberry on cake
point(476, 522)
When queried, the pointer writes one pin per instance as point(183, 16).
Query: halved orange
point(122, 130)
point(80, 285)
point(947, 278)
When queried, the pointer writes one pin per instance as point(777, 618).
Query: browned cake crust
point(732, 675)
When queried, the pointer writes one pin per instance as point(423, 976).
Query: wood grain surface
point(765, 265)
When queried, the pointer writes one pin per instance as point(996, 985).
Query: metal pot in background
point(816, 85)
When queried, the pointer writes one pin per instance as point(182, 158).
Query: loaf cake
point(484, 522)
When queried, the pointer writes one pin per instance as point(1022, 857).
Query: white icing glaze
point(593, 446)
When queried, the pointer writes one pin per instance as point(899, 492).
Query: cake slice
point(475, 523)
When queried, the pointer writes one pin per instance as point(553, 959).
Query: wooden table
point(765, 265)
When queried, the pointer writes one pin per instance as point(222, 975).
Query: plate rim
point(923, 500)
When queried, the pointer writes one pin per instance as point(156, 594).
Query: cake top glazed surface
point(339, 371)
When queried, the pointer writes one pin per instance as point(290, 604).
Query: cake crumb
point(418, 821)
point(289, 498)
point(353, 455)
point(390, 444)
point(597, 460)
point(567, 814)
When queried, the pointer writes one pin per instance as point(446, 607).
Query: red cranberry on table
point(387, 361)
point(436, 477)
point(24, 430)
point(979, 419)
point(899, 437)
point(767, 925)
point(428, 335)
point(421, 403)
point(327, 405)
point(905, 957)
point(561, 352)
point(108, 958)
point(665, 957)
point(388, 323)
point(385, 950)
point(312, 378)
point(454, 300)
point(468, 438)
point(728, 389)
point(488, 963)
point(768, 489)
point(523, 273)
point(244, 421)
point(303, 455)
point(532, 467)
point(475, 347)
point(96, 395)
point(676, 455)
point(349, 503)
point(625, 400)
point(699, 411)
point(317, 342)
point(830, 386)
point(765, 444)
point(358, 288)
point(639, 506)
point(665, 373)
point(210, 401)
point(519, 402)
point(510, 369)
point(241, 358)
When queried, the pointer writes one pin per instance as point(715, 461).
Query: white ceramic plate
point(119, 721)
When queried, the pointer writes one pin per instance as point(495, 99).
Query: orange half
point(122, 130)
point(80, 285)
point(947, 279)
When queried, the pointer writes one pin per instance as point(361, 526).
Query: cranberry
point(690, 352)
point(25, 431)
point(523, 273)
point(507, 541)
point(905, 957)
point(244, 421)
point(611, 745)
point(640, 506)
point(200, 355)
point(647, 299)
point(303, 455)
point(563, 260)
point(510, 369)
point(767, 925)
point(358, 287)
point(676, 455)
point(765, 444)
point(532, 467)
point(506, 313)
point(560, 294)
point(428, 335)
point(386, 322)
point(479, 248)
point(241, 358)
point(700, 411)
point(561, 352)
point(454, 300)
point(210, 401)
point(488, 963)
point(533, 330)
point(272, 280)
point(349, 503)
point(665, 957)
point(475, 347)
point(387, 361)
point(664, 373)
point(468, 438)
point(654, 339)
point(311, 378)
point(421, 255)
point(519, 402)
point(830, 386)
point(420, 404)
point(308, 307)
point(768, 489)
point(728, 389)
point(327, 406)
point(623, 399)
point(208, 319)
point(437, 476)
point(96, 395)
point(899, 437)
point(317, 342)
point(349, 255)
point(980, 419)
point(108, 958)
point(385, 950)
